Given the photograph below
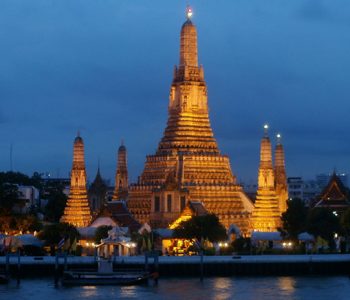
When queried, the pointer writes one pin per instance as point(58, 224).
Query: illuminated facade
point(188, 164)
point(266, 215)
point(281, 185)
point(121, 176)
point(77, 210)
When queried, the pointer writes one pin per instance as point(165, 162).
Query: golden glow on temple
point(188, 164)
point(280, 176)
point(266, 215)
point(77, 210)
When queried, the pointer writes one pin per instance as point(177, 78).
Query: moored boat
point(71, 278)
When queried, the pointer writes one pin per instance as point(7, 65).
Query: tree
point(8, 197)
point(205, 227)
point(322, 222)
point(56, 202)
point(294, 218)
point(53, 233)
point(102, 233)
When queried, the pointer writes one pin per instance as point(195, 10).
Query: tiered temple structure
point(77, 210)
point(281, 186)
point(188, 164)
point(121, 176)
point(97, 194)
point(266, 215)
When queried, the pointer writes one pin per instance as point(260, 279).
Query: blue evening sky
point(105, 68)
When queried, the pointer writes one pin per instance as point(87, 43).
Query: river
point(246, 288)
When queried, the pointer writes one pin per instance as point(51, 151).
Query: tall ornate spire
point(188, 164)
point(188, 42)
point(77, 210)
point(266, 214)
point(121, 176)
point(280, 176)
point(188, 127)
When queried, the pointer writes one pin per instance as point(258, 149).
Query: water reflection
point(128, 291)
point(286, 285)
point(223, 288)
point(89, 291)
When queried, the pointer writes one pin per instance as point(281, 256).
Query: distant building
point(295, 187)
point(29, 197)
point(306, 190)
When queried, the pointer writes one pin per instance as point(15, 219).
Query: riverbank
point(330, 264)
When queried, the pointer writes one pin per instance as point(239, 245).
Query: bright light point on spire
point(189, 12)
point(278, 135)
point(266, 126)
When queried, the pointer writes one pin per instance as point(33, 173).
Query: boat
point(73, 278)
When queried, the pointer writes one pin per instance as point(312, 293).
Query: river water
point(246, 288)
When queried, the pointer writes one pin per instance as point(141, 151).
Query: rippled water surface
point(247, 288)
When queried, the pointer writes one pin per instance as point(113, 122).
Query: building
point(77, 210)
point(281, 186)
point(188, 164)
point(121, 176)
point(335, 196)
point(306, 190)
point(266, 215)
point(97, 194)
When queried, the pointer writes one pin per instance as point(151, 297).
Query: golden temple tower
point(280, 176)
point(266, 215)
point(121, 176)
point(77, 210)
point(187, 164)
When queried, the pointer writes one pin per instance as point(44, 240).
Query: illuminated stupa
point(188, 164)
point(77, 210)
point(266, 215)
point(121, 176)
point(280, 176)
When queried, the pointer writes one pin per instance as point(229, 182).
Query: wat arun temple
point(188, 165)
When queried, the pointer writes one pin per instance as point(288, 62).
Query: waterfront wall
point(190, 265)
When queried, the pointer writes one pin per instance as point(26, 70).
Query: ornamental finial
point(279, 137)
point(189, 12)
point(266, 128)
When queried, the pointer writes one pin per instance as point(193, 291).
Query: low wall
point(334, 264)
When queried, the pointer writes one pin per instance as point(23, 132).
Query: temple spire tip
point(189, 12)
point(279, 138)
point(266, 129)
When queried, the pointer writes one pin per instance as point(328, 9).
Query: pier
point(261, 265)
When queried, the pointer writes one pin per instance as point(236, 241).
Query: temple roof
point(334, 194)
point(118, 211)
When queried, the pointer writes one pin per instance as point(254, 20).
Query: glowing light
point(278, 135)
point(266, 126)
point(189, 12)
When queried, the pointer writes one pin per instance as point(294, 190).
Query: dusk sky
point(105, 68)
